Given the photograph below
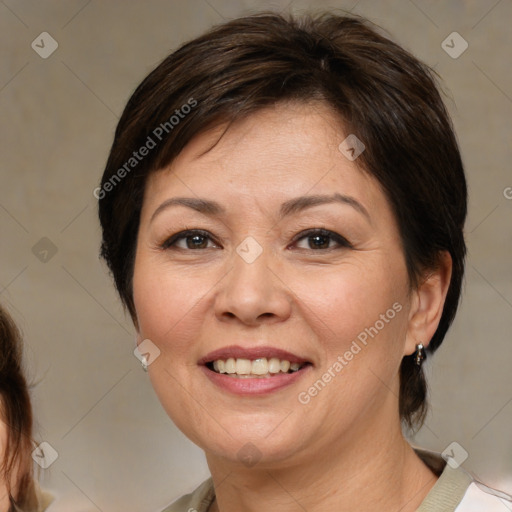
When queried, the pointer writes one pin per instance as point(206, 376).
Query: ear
point(427, 304)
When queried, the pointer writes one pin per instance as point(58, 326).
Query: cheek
point(168, 305)
point(354, 300)
point(359, 316)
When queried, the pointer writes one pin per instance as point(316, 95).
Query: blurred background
point(67, 69)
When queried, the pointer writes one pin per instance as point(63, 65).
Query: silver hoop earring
point(420, 354)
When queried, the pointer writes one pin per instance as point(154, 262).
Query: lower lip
point(254, 386)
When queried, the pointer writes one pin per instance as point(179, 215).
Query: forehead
point(279, 152)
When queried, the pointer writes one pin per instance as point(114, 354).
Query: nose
point(253, 292)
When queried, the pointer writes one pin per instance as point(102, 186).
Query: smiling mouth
point(254, 368)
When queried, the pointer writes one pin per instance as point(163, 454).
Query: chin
point(250, 449)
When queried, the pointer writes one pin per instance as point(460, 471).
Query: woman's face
point(259, 281)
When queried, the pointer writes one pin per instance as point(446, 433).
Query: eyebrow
point(295, 205)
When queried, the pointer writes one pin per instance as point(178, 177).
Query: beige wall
point(117, 450)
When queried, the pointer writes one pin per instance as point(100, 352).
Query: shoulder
point(197, 501)
point(456, 490)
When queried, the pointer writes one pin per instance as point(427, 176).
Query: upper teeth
point(260, 366)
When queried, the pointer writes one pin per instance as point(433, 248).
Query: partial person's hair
point(16, 416)
point(378, 90)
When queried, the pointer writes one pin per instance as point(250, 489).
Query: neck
point(369, 471)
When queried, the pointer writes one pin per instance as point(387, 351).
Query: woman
point(282, 212)
point(19, 492)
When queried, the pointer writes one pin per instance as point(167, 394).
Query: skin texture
point(344, 449)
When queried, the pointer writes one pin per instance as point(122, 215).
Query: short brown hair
point(16, 414)
point(381, 93)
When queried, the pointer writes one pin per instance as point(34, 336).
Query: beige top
point(455, 491)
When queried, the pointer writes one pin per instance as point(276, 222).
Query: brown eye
point(322, 238)
point(193, 239)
